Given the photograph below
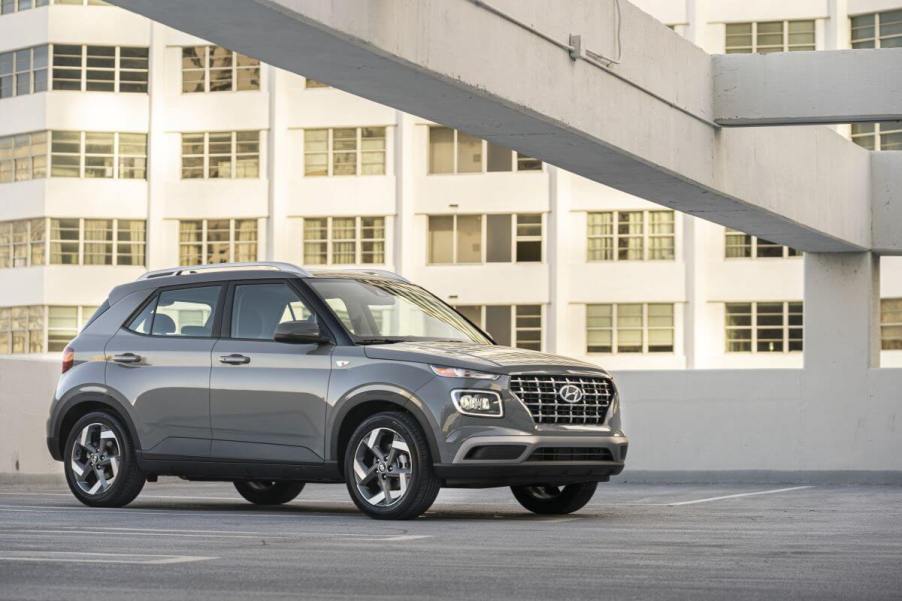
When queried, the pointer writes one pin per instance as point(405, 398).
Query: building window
point(206, 241)
point(312, 83)
point(218, 155)
point(891, 324)
point(769, 36)
point(22, 243)
point(98, 155)
point(629, 328)
point(503, 238)
point(23, 71)
point(23, 157)
point(877, 30)
point(100, 68)
point(453, 151)
point(344, 240)
point(763, 327)
point(886, 135)
point(509, 325)
point(344, 151)
point(739, 245)
point(11, 6)
point(217, 69)
point(39, 328)
point(631, 236)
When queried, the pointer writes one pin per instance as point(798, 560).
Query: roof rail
point(189, 269)
point(385, 273)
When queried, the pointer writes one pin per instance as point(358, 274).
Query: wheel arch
point(369, 401)
point(79, 405)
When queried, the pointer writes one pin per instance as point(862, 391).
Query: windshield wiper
point(378, 340)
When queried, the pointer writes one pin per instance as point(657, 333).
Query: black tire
point(128, 480)
point(545, 499)
point(422, 485)
point(268, 492)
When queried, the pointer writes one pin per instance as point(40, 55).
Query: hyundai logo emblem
point(570, 393)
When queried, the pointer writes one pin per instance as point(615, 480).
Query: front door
point(160, 363)
point(268, 399)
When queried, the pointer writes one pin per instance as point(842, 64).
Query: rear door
point(268, 398)
point(160, 362)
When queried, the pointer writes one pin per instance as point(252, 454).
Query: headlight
point(480, 403)
point(459, 372)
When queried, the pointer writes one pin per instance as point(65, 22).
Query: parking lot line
point(106, 558)
point(744, 494)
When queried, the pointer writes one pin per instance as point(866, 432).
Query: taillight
point(68, 358)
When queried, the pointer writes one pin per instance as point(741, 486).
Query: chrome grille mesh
point(540, 395)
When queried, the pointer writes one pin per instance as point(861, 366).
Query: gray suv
point(271, 376)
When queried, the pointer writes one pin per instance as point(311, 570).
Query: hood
point(484, 357)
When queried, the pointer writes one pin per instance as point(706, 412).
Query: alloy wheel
point(96, 455)
point(383, 468)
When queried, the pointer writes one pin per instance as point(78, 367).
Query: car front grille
point(571, 454)
point(544, 396)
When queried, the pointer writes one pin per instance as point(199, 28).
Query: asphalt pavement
point(201, 541)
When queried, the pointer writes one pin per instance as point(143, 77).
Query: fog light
point(481, 403)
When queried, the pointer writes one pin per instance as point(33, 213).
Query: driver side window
point(258, 308)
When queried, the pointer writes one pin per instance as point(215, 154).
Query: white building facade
point(126, 145)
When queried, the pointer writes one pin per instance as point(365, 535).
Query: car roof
point(176, 276)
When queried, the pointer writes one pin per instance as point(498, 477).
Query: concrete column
point(403, 226)
point(557, 245)
point(842, 315)
point(692, 247)
point(837, 30)
point(697, 17)
point(156, 149)
point(278, 231)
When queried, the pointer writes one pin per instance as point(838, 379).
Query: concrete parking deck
point(201, 541)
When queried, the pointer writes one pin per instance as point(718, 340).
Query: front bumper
point(509, 460)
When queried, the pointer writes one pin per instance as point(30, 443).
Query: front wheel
point(268, 492)
point(388, 468)
point(546, 499)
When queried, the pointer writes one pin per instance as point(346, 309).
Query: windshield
point(379, 311)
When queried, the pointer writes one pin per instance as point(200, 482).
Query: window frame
point(358, 151)
point(644, 329)
point(786, 339)
point(83, 318)
point(517, 158)
point(205, 242)
point(154, 296)
point(47, 240)
point(877, 38)
point(785, 45)
point(515, 330)
point(615, 235)
point(330, 239)
point(515, 238)
point(234, 155)
point(234, 68)
point(32, 73)
point(787, 251)
point(875, 136)
point(83, 69)
point(82, 154)
point(886, 325)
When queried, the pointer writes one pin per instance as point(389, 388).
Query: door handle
point(235, 359)
point(127, 358)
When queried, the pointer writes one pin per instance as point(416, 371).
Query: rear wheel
point(547, 499)
point(268, 492)
point(99, 462)
point(388, 468)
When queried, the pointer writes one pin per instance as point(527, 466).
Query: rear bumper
point(486, 461)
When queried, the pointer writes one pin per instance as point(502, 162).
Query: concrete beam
point(886, 189)
point(797, 88)
point(503, 70)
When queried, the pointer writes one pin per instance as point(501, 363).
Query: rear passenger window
point(182, 312)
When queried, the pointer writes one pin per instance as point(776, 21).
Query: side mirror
point(298, 332)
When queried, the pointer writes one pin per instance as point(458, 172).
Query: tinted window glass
point(259, 308)
point(141, 322)
point(186, 312)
